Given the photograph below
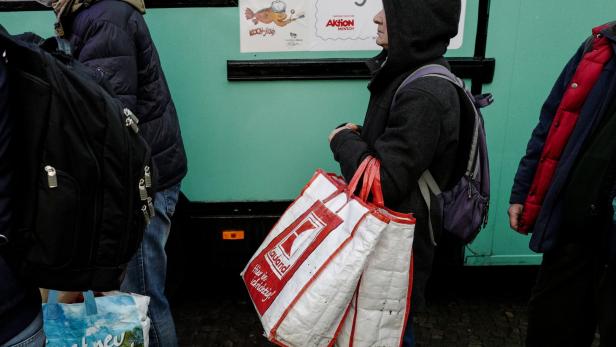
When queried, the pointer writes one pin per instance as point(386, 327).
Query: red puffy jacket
point(584, 79)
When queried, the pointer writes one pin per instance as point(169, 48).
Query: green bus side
point(261, 141)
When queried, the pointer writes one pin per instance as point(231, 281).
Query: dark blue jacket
point(546, 229)
point(112, 37)
point(19, 305)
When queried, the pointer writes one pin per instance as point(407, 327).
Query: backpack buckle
point(483, 100)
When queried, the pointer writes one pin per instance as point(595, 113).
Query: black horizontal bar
point(189, 3)
point(232, 210)
point(15, 6)
point(480, 70)
point(297, 69)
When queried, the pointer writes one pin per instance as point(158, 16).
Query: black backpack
point(83, 182)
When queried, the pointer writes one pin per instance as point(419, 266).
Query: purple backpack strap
point(434, 70)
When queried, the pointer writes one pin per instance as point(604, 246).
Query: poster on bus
point(314, 25)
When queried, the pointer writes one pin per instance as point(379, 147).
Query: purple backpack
point(465, 206)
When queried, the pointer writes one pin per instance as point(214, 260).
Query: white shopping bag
point(380, 307)
point(305, 273)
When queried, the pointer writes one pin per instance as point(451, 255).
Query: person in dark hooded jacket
point(421, 131)
point(112, 38)
point(574, 295)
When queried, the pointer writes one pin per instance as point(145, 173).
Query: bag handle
point(377, 191)
point(359, 173)
point(88, 299)
point(368, 180)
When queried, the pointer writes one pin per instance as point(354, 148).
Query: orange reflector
point(233, 234)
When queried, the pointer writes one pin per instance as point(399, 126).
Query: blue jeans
point(148, 269)
point(32, 336)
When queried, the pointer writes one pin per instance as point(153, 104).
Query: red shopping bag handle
point(368, 180)
point(377, 191)
point(359, 173)
point(370, 170)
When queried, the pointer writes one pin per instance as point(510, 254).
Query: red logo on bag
point(270, 271)
point(292, 246)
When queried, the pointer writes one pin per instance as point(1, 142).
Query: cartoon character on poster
point(276, 13)
point(276, 25)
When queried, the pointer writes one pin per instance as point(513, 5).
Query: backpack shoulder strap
point(428, 184)
point(432, 70)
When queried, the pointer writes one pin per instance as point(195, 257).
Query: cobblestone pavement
point(477, 307)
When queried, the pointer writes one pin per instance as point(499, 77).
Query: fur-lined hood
point(65, 8)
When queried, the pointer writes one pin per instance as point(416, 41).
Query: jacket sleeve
point(528, 164)
point(111, 51)
point(406, 148)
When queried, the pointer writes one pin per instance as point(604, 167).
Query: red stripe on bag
point(270, 271)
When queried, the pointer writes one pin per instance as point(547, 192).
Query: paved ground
point(477, 307)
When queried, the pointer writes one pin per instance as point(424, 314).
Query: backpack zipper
point(52, 176)
point(148, 177)
point(143, 193)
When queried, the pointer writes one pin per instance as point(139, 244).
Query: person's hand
point(349, 126)
point(515, 212)
point(63, 297)
point(70, 297)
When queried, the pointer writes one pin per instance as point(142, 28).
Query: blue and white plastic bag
point(116, 319)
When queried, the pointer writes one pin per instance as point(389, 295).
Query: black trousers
point(574, 294)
